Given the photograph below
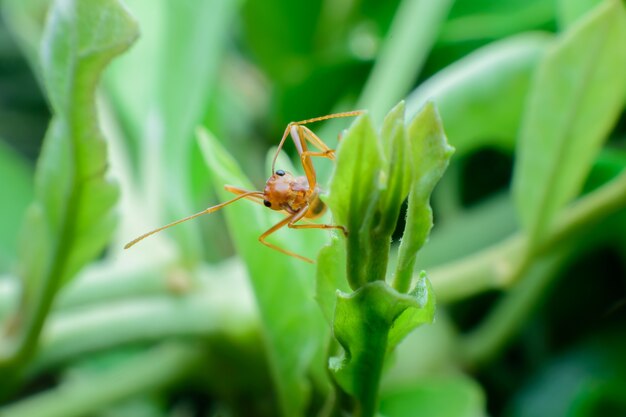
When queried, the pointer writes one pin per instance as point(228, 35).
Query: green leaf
point(394, 184)
point(397, 173)
point(16, 195)
point(283, 286)
point(354, 193)
point(455, 396)
point(429, 156)
point(368, 324)
point(575, 98)
point(481, 96)
point(71, 219)
point(413, 317)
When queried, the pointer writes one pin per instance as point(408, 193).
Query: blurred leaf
point(440, 397)
point(71, 219)
point(184, 44)
point(586, 381)
point(410, 38)
point(492, 20)
point(429, 157)
point(16, 195)
point(368, 324)
point(575, 98)
point(569, 11)
point(481, 96)
point(135, 376)
point(26, 19)
point(330, 277)
point(132, 88)
point(283, 286)
point(196, 34)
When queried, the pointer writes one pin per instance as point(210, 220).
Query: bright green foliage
point(373, 179)
point(72, 217)
point(374, 176)
point(354, 193)
point(429, 155)
point(274, 278)
point(575, 98)
point(368, 324)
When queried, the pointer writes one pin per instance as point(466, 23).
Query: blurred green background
point(547, 339)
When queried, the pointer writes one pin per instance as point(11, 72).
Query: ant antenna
point(193, 216)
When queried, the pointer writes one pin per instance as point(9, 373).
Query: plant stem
point(140, 320)
point(502, 265)
point(536, 272)
point(505, 319)
point(152, 371)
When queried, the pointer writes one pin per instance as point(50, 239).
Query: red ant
point(296, 196)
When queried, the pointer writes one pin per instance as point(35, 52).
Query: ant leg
point(281, 143)
point(241, 194)
point(318, 143)
point(286, 221)
point(307, 121)
point(319, 226)
point(298, 135)
point(303, 133)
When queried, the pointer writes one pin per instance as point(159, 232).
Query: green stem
point(503, 264)
point(536, 273)
point(505, 319)
point(412, 34)
point(199, 314)
point(370, 375)
point(155, 370)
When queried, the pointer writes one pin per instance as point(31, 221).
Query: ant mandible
point(297, 196)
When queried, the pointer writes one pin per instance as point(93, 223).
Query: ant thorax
point(283, 191)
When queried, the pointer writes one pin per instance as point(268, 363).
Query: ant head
point(278, 190)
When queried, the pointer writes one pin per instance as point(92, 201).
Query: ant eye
point(267, 203)
point(280, 172)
